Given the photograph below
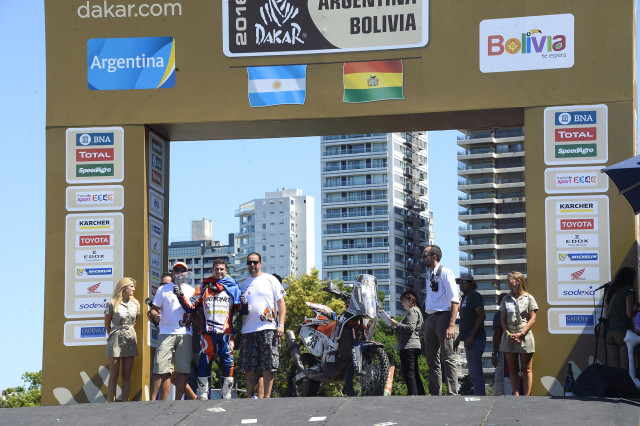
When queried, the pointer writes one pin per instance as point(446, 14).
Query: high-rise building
point(201, 230)
point(375, 210)
point(280, 227)
point(492, 207)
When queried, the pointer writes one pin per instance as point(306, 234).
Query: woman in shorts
point(120, 319)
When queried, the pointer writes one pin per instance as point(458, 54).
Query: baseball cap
point(180, 265)
point(465, 277)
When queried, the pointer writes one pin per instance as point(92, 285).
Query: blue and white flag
point(277, 85)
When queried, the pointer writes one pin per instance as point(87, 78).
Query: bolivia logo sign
point(527, 43)
point(131, 63)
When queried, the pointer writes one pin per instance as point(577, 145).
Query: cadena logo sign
point(527, 43)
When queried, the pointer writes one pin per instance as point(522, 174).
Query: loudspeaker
point(602, 381)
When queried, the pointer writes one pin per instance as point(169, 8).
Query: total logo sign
point(578, 257)
point(527, 43)
point(576, 134)
point(577, 274)
point(100, 154)
point(94, 256)
point(95, 304)
point(105, 240)
point(87, 288)
point(588, 224)
point(577, 240)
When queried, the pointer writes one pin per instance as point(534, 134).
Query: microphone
point(605, 285)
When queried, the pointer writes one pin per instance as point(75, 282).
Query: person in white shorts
point(174, 339)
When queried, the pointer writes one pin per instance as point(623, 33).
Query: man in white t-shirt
point(441, 311)
point(174, 337)
point(263, 327)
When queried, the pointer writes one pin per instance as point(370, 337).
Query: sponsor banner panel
point(85, 333)
point(578, 248)
point(259, 28)
point(576, 135)
point(157, 162)
point(156, 204)
point(575, 180)
point(527, 43)
point(571, 320)
point(95, 155)
point(95, 198)
point(93, 261)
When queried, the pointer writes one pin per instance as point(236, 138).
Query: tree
point(21, 397)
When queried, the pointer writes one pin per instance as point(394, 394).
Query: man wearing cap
point(441, 310)
point(174, 338)
point(472, 330)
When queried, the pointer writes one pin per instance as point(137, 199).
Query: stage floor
point(401, 410)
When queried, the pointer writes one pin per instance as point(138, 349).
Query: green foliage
point(21, 397)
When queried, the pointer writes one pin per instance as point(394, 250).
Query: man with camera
point(441, 310)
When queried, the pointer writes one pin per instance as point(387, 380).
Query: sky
point(274, 164)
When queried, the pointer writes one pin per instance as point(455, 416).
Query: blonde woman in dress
point(119, 319)
point(517, 315)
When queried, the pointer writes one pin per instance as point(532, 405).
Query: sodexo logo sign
point(131, 63)
point(527, 43)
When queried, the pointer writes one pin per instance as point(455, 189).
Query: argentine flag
point(277, 85)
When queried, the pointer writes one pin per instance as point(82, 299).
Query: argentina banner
point(277, 85)
point(131, 63)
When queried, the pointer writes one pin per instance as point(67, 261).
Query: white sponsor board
point(85, 333)
point(95, 198)
point(571, 320)
point(156, 204)
point(93, 259)
point(94, 155)
point(527, 43)
point(575, 180)
point(578, 253)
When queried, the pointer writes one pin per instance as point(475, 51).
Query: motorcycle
point(339, 348)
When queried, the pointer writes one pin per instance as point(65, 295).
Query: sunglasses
point(179, 270)
point(252, 262)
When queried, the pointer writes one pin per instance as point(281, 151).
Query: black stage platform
point(400, 410)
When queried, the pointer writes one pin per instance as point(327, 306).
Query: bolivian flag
point(373, 81)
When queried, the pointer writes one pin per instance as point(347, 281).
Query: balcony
point(343, 184)
point(341, 168)
point(354, 262)
point(384, 228)
point(354, 198)
point(372, 150)
point(355, 214)
point(356, 246)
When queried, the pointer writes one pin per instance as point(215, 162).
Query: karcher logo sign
point(576, 207)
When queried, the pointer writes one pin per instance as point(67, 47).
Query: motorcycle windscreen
point(369, 294)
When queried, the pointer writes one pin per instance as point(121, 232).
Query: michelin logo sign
point(131, 63)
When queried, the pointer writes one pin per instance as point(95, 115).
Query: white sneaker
point(227, 386)
point(203, 388)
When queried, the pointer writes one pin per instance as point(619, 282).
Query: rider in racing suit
point(218, 296)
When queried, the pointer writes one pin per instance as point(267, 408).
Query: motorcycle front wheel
point(303, 386)
point(375, 369)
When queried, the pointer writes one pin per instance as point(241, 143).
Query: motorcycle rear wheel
point(305, 386)
point(375, 369)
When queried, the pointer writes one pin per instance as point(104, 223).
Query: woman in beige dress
point(119, 319)
point(517, 315)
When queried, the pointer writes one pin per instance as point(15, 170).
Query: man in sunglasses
point(263, 327)
point(174, 339)
point(441, 310)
